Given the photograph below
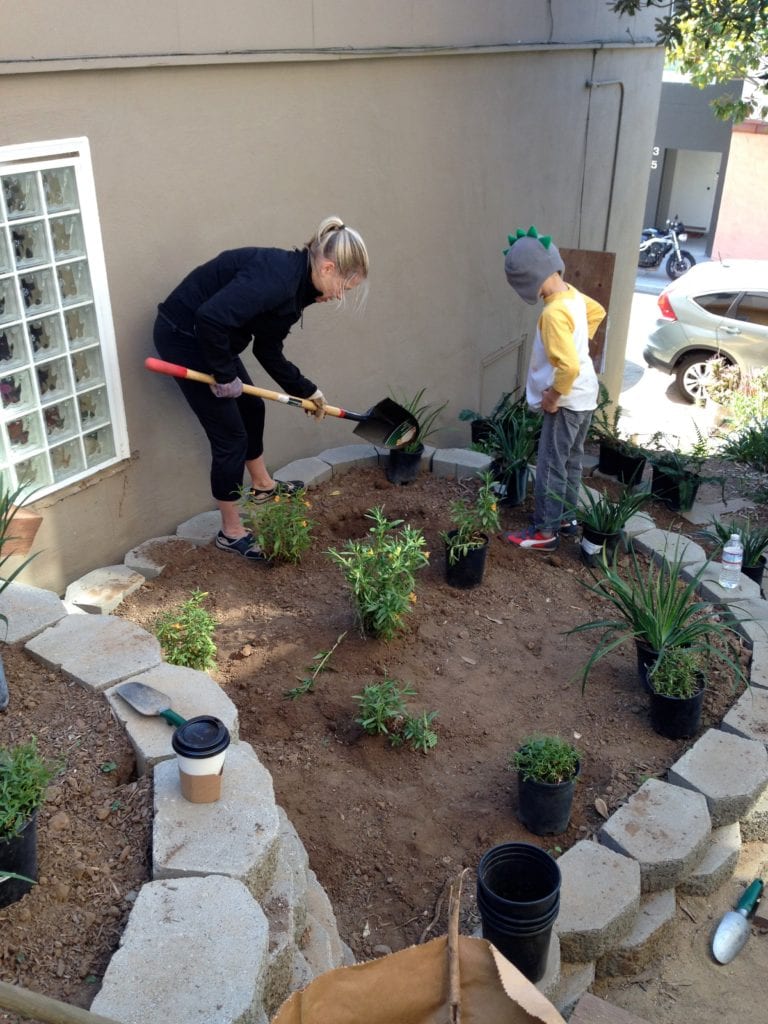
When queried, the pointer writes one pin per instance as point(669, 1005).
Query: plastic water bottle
point(730, 565)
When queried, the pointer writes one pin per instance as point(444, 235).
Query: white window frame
point(60, 153)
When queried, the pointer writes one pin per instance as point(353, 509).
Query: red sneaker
point(531, 538)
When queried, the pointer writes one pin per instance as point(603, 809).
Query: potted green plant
point(547, 769)
point(754, 539)
point(656, 609)
point(479, 425)
point(404, 463)
point(677, 686)
point(512, 444)
point(618, 456)
point(24, 778)
point(677, 474)
point(602, 519)
point(466, 545)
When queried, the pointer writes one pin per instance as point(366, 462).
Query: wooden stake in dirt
point(454, 972)
point(33, 1006)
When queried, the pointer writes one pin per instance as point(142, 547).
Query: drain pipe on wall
point(592, 84)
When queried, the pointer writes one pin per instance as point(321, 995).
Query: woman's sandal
point(281, 487)
point(245, 546)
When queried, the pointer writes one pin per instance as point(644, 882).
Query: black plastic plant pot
point(516, 481)
point(404, 467)
point(677, 491)
point(629, 468)
point(480, 430)
point(755, 573)
point(545, 807)
point(647, 657)
point(19, 856)
point(593, 542)
point(676, 717)
point(467, 571)
point(608, 459)
point(518, 896)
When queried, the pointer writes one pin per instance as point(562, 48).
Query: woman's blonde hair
point(334, 241)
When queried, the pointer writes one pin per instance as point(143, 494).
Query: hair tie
point(341, 227)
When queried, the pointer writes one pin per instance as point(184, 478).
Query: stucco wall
point(434, 157)
point(742, 229)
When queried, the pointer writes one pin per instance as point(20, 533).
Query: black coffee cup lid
point(204, 736)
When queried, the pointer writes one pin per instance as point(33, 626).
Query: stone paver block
point(728, 770)
point(669, 545)
point(190, 693)
point(285, 906)
point(147, 558)
point(350, 456)
point(750, 614)
point(592, 1010)
point(749, 716)
point(758, 669)
point(647, 939)
point(29, 610)
point(96, 651)
point(754, 824)
point(575, 980)
point(599, 899)
point(638, 524)
point(321, 913)
point(235, 836)
point(664, 828)
point(192, 953)
point(718, 863)
point(459, 462)
point(102, 590)
point(704, 512)
point(312, 471)
point(710, 589)
point(200, 529)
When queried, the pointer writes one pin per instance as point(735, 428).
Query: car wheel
point(691, 376)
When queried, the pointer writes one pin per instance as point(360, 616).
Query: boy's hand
point(550, 399)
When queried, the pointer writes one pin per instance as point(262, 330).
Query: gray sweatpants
point(558, 466)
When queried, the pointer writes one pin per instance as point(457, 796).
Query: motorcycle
point(655, 244)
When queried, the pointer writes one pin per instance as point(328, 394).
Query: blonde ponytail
point(334, 241)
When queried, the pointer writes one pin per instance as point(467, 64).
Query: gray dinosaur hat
point(530, 259)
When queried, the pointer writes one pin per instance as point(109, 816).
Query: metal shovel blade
point(149, 701)
point(730, 936)
point(388, 424)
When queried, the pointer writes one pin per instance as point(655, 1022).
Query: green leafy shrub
point(382, 707)
point(749, 446)
point(282, 526)
point(24, 779)
point(542, 758)
point(380, 571)
point(417, 729)
point(677, 673)
point(186, 634)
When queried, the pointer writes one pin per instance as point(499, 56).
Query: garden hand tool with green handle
point(386, 423)
point(149, 701)
point(734, 928)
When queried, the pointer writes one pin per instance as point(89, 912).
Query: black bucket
point(404, 467)
point(19, 856)
point(480, 430)
point(518, 896)
point(646, 659)
point(754, 572)
point(629, 468)
point(593, 542)
point(676, 490)
point(608, 459)
point(467, 571)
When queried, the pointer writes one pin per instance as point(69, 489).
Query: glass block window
point(61, 410)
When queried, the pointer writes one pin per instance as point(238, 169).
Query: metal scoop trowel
point(149, 701)
point(733, 930)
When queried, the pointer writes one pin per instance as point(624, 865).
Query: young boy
point(561, 382)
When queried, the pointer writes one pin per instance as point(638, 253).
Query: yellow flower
point(412, 597)
point(308, 504)
point(276, 499)
point(303, 522)
point(493, 506)
point(426, 554)
point(368, 553)
point(177, 625)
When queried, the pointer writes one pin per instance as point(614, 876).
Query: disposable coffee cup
point(201, 746)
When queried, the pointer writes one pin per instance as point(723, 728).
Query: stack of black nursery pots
point(518, 896)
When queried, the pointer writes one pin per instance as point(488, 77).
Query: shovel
point(733, 930)
point(387, 423)
point(149, 701)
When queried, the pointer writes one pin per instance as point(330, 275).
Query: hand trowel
point(149, 701)
point(734, 928)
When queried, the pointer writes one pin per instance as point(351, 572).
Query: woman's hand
point(319, 411)
point(232, 389)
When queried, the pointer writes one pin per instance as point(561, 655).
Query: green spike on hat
point(528, 265)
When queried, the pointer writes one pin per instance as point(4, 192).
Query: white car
point(715, 309)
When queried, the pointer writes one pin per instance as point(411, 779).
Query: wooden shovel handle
point(174, 370)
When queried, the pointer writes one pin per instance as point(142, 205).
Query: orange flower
point(412, 597)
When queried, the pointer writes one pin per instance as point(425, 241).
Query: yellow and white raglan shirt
point(560, 356)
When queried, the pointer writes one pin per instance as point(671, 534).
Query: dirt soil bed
point(385, 828)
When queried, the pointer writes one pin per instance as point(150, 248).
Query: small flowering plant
point(381, 572)
point(282, 526)
point(472, 522)
point(186, 634)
